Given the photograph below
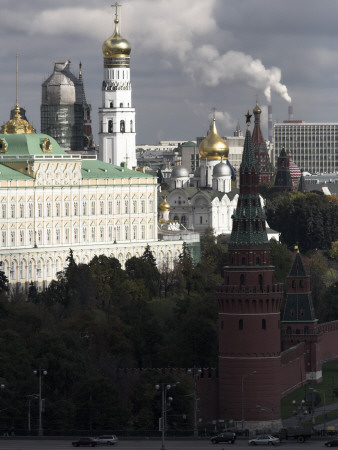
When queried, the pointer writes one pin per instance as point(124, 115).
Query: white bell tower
point(117, 137)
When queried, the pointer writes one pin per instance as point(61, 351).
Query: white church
point(209, 198)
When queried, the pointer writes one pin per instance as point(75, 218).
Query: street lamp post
point(323, 392)
point(301, 410)
point(243, 378)
point(195, 373)
point(164, 388)
point(39, 373)
point(30, 398)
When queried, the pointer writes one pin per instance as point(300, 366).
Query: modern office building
point(312, 146)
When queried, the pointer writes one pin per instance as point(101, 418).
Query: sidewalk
point(294, 421)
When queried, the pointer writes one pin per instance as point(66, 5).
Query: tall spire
point(17, 125)
point(249, 217)
point(261, 152)
point(248, 163)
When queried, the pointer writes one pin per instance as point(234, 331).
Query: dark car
point(83, 442)
point(224, 437)
point(333, 443)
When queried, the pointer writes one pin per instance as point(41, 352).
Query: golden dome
point(17, 125)
point(115, 46)
point(164, 206)
point(257, 109)
point(213, 146)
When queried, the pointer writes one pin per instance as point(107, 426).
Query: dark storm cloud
point(187, 57)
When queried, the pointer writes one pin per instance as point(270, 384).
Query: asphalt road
point(45, 444)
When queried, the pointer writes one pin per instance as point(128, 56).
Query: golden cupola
point(164, 206)
point(257, 109)
point(17, 125)
point(116, 46)
point(213, 146)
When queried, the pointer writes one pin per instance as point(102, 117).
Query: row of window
point(53, 236)
point(33, 270)
point(122, 128)
point(121, 207)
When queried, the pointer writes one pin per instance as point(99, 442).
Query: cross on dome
point(116, 5)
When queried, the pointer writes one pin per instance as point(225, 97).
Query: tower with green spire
point(249, 303)
point(261, 152)
point(299, 323)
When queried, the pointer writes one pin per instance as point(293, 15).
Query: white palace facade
point(52, 201)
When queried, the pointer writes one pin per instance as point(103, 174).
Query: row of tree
point(101, 332)
point(311, 219)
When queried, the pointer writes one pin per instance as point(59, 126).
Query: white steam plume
point(208, 67)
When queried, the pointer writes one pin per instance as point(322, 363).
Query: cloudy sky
point(188, 57)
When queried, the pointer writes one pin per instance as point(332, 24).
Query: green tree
point(185, 265)
point(282, 259)
point(333, 253)
point(141, 270)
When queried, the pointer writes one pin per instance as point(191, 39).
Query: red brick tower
point(249, 305)
point(264, 165)
point(299, 323)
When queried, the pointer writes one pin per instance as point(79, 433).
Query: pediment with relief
point(57, 174)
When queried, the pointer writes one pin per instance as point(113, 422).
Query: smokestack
point(270, 126)
point(290, 112)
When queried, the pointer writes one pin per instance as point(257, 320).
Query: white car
point(108, 439)
point(265, 439)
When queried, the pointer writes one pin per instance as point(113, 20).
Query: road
point(45, 444)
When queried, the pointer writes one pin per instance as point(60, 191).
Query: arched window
point(240, 324)
point(110, 126)
point(301, 284)
point(293, 284)
point(111, 105)
point(263, 324)
point(306, 330)
point(288, 330)
point(131, 126)
point(122, 126)
point(241, 279)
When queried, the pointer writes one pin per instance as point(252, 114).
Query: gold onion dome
point(164, 206)
point(17, 125)
point(116, 46)
point(213, 146)
point(257, 109)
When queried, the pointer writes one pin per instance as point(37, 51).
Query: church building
point(208, 198)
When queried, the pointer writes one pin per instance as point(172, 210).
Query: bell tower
point(117, 135)
point(249, 303)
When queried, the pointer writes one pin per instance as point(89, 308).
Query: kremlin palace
point(55, 198)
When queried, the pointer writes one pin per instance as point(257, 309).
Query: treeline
point(96, 320)
point(309, 219)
